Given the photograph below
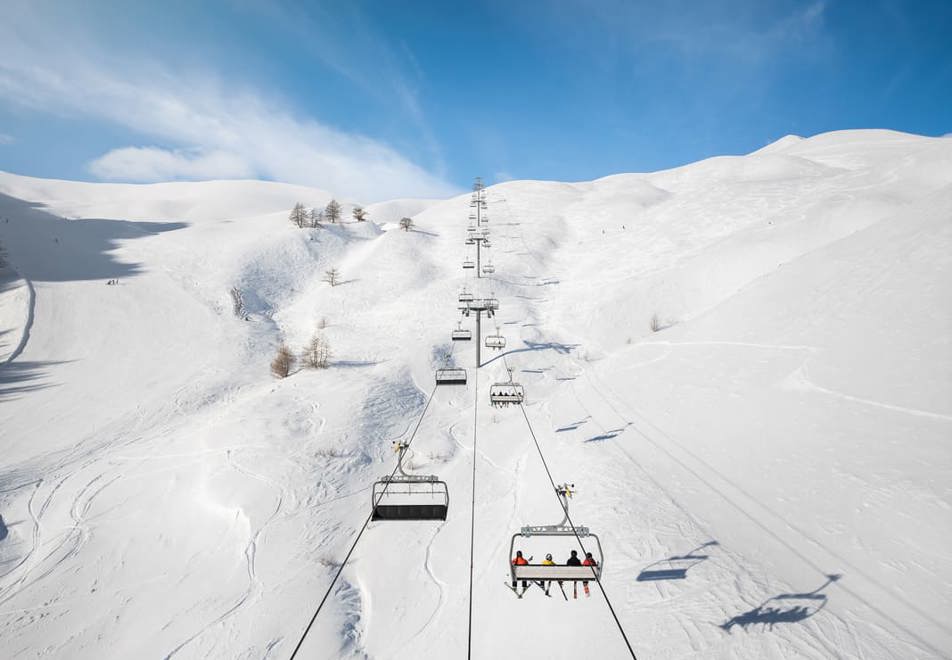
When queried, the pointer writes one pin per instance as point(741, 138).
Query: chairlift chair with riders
point(505, 394)
point(488, 269)
point(461, 333)
point(496, 341)
point(564, 529)
point(403, 496)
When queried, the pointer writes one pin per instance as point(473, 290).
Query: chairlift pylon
point(565, 573)
point(403, 496)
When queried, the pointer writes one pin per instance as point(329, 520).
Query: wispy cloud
point(6, 138)
point(197, 125)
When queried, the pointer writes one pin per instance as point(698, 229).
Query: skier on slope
point(519, 560)
point(588, 561)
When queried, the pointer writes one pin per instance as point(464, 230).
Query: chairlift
point(465, 296)
point(470, 240)
point(469, 264)
point(461, 333)
point(471, 228)
point(541, 572)
point(403, 496)
point(505, 394)
point(489, 268)
point(495, 341)
point(450, 376)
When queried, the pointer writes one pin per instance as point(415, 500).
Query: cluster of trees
point(316, 355)
point(303, 217)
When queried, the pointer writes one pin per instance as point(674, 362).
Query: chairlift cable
point(363, 528)
point(565, 509)
point(472, 520)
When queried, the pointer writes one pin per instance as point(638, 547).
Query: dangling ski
point(514, 590)
point(563, 592)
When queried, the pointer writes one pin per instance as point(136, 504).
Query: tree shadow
point(675, 567)
point(355, 363)
point(21, 377)
point(783, 608)
point(47, 248)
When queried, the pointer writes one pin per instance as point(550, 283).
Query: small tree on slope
point(332, 276)
point(406, 224)
point(317, 354)
point(332, 211)
point(283, 362)
point(298, 215)
point(360, 213)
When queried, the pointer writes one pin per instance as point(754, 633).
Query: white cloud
point(156, 164)
point(6, 138)
point(207, 127)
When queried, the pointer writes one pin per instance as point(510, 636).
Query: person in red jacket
point(588, 561)
point(519, 560)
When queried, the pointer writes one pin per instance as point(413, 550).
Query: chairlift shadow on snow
point(675, 567)
point(783, 608)
point(607, 435)
point(573, 425)
point(536, 346)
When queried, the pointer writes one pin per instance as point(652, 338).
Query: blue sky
point(384, 99)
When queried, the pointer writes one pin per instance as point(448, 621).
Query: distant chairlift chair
point(461, 333)
point(469, 264)
point(488, 269)
point(539, 572)
point(450, 376)
point(405, 496)
point(496, 341)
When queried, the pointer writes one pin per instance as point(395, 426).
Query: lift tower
point(479, 306)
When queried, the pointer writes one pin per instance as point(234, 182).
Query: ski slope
point(768, 472)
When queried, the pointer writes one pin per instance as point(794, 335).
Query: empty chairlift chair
point(564, 573)
point(403, 496)
point(450, 376)
point(461, 333)
point(465, 296)
point(505, 394)
point(469, 263)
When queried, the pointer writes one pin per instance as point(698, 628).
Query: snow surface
point(769, 472)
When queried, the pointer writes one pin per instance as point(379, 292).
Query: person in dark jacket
point(574, 561)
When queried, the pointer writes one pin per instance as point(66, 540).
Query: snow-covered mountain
point(744, 365)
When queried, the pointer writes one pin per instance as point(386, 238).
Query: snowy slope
point(163, 496)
